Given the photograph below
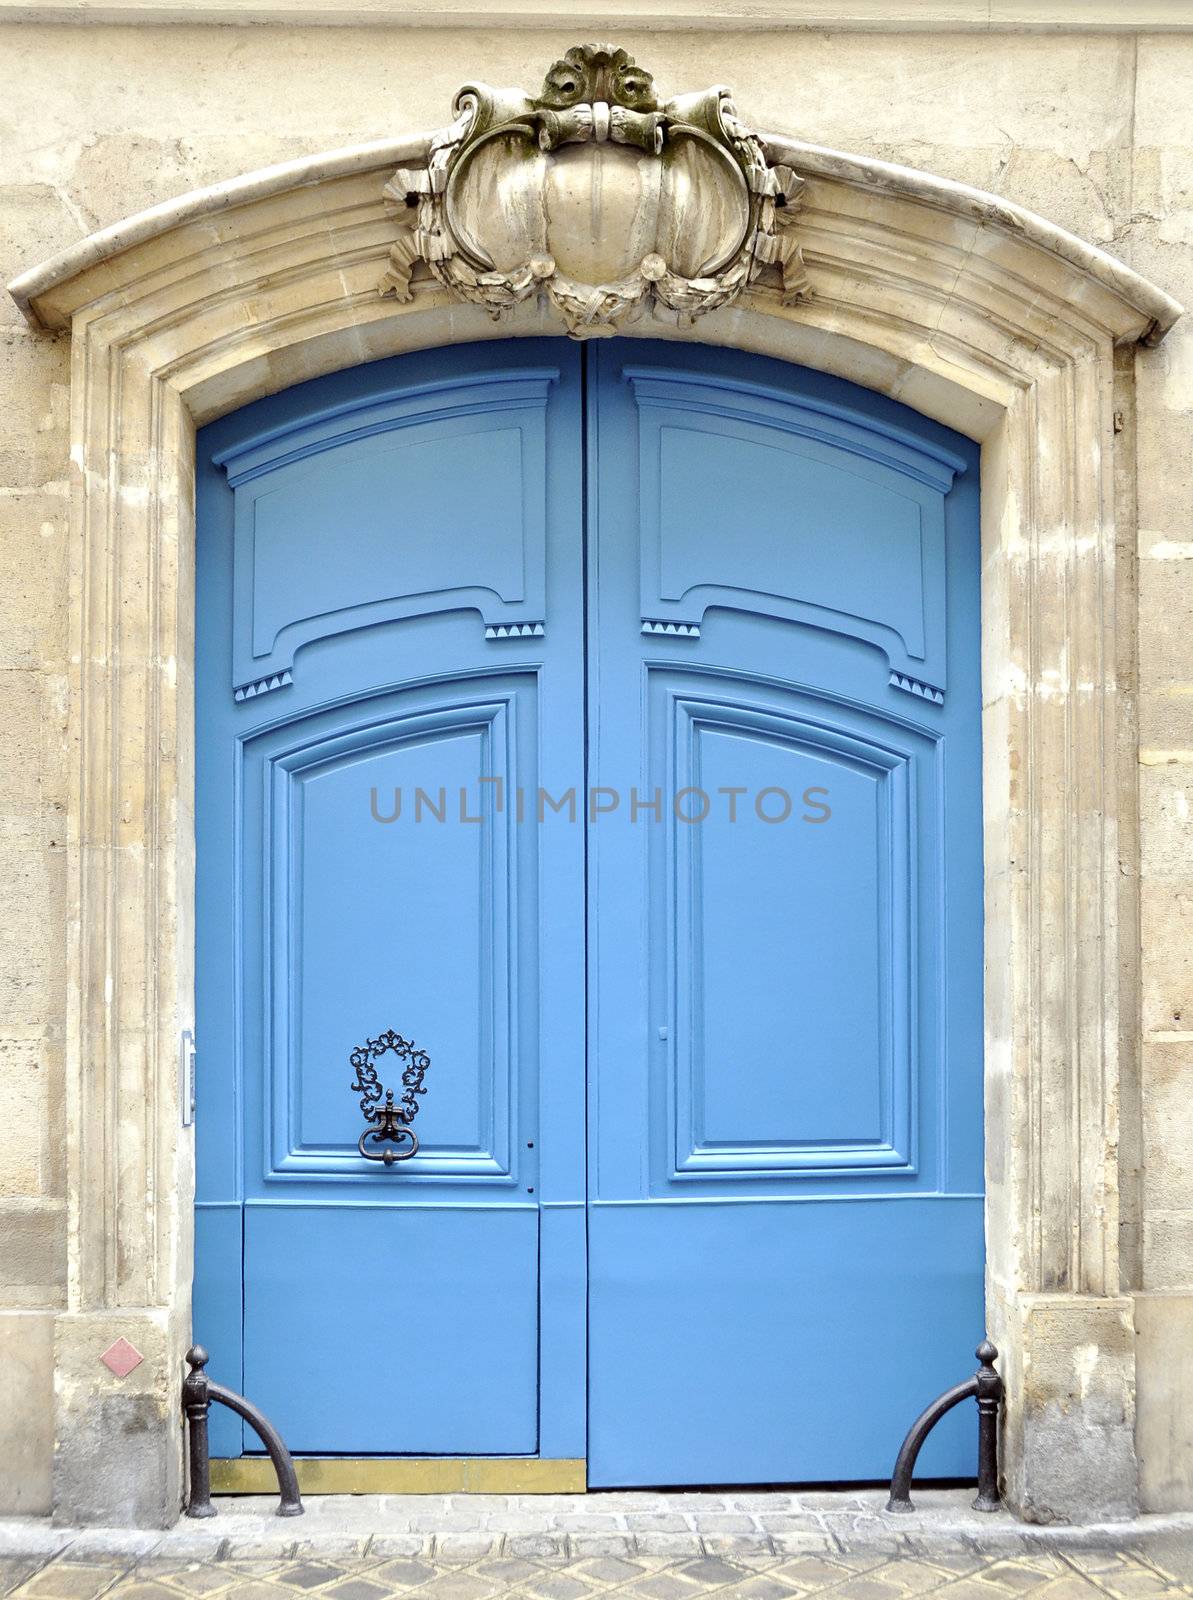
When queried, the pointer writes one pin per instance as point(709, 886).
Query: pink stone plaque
point(121, 1358)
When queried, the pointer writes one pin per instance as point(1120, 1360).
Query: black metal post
point(196, 1403)
point(989, 1397)
point(198, 1392)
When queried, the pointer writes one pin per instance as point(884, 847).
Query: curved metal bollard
point(986, 1387)
point(198, 1392)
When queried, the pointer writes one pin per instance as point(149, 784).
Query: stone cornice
point(49, 294)
point(972, 16)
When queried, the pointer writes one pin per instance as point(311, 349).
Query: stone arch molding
point(964, 306)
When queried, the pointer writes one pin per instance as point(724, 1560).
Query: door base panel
point(783, 1342)
point(404, 1475)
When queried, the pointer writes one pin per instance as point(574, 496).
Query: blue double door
point(604, 722)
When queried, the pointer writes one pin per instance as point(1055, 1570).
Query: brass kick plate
point(404, 1475)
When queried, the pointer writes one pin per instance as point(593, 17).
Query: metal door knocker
point(390, 1123)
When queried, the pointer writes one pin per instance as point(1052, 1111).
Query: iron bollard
point(987, 1388)
point(198, 1392)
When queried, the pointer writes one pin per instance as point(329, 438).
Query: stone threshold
point(459, 1528)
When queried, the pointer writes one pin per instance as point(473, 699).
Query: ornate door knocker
point(390, 1123)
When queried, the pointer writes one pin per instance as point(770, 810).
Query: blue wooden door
point(390, 617)
point(785, 1228)
point(680, 649)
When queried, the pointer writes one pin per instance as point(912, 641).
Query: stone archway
point(970, 310)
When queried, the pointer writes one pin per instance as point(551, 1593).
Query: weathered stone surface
point(1166, 721)
point(1166, 610)
point(1167, 1248)
point(32, 1252)
point(38, 373)
point(1166, 919)
point(26, 1409)
point(1166, 807)
point(32, 947)
point(34, 221)
point(33, 569)
point(1164, 1380)
point(1078, 1452)
point(1168, 1124)
point(188, 115)
point(117, 1459)
point(26, 1070)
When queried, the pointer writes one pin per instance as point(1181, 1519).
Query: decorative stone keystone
point(597, 195)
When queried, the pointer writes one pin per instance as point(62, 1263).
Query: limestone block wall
point(1157, 236)
point(1093, 129)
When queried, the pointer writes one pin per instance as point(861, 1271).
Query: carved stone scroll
point(597, 195)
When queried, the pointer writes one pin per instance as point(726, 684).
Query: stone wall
point(1092, 130)
point(1157, 237)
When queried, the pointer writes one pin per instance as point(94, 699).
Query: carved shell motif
point(598, 196)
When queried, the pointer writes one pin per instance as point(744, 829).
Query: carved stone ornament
point(597, 195)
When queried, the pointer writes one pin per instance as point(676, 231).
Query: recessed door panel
point(789, 454)
point(789, 859)
point(365, 901)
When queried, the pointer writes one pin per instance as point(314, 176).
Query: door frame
point(969, 309)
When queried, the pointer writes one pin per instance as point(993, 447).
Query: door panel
point(358, 917)
point(793, 916)
point(466, 454)
point(432, 1313)
point(353, 909)
point(706, 437)
point(777, 1343)
point(386, 657)
point(784, 957)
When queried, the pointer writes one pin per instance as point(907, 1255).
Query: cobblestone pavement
point(646, 1546)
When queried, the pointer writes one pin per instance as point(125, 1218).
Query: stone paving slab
point(647, 1546)
point(841, 1575)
